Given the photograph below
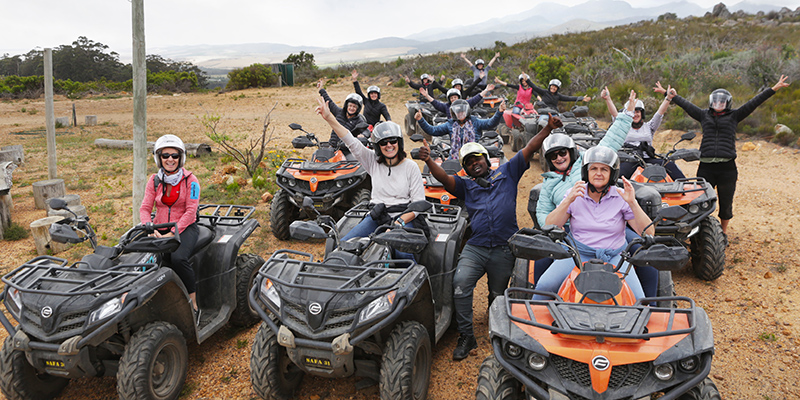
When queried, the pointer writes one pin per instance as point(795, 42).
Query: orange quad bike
point(593, 339)
point(699, 230)
point(440, 152)
point(334, 182)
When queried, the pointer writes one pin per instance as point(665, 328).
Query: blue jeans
point(552, 279)
point(516, 110)
point(366, 227)
point(496, 262)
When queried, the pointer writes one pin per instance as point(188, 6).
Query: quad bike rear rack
point(225, 214)
point(583, 319)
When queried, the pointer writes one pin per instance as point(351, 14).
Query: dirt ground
point(755, 316)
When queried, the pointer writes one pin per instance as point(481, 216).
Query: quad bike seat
point(324, 154)
point(204, 237)
point(451, 167)
point(598, 281)
point(341, 257)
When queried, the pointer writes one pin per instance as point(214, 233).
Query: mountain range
point(542, 20)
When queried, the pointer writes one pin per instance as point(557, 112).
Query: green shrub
point(254, 76)
point(15, 231)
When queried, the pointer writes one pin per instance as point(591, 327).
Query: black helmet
point(602, 155)
point(353, 98)
point(375, 89)
point(459, 110)
point(720, 96)
point(558, 141)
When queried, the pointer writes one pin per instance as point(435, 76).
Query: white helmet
point(479, 61)
point(453, 92)
point(169, 141)
point(375, 89)
point(458, 82)
point(425, 76)
point(555, 82)
point(470, 149)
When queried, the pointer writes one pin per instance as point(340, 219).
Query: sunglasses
point(556, 154)
point(174, 156)
point(384, 142)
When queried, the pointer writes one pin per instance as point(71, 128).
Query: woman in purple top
point(597, 212)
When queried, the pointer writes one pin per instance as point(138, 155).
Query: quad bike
point(358, 311)
point(334, 182)
point(440, 152)
point(515, 125)
point(705, 239)
point(121, 311)
point(594, 340)
point(432, 116)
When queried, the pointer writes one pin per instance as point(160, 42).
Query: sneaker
point(466, 343)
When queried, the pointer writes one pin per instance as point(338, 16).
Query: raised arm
point(496, 56)
point(662, 109)
point(325, 112)
point(497, 80)
point(535, 143)
point(464, 57)
point(612, 109)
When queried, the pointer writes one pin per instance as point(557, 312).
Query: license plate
point(315, 362)
point(50, 364)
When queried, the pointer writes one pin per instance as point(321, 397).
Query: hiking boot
point(466, 343)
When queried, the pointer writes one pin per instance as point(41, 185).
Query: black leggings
point(179, 259)
point(722, 177)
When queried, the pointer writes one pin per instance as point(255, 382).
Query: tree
point(302, 60)
point(547, 68)
point(86, 61)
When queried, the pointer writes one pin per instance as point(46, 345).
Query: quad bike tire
point(505, 132)
point(363, 195)
point(706, 390)
point(517, 140)
point(519, 276)
point(282, 213)
point(272, 374)
point(247, 266)
point(410, 124)
point(666, 287)
point(708, 250)
point(406, 365)
point(495, 383)
point(19, 380)
point(154, 363)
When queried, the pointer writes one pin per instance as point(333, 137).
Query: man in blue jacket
point(490, 198)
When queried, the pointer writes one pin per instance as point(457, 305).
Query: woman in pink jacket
point(175, 193)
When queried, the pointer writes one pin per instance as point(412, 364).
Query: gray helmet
point(458, 82)
point(555, 82)
point(425, 76)
point(601, 155)
point(720, 96)
point(167, 141)
point(558, 141)
point(387, 130)
point(453, 92)
point(479, 61)
point(353, 98)
point(375, 89)
point(459, 110)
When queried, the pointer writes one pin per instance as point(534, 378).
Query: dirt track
point(752, 306)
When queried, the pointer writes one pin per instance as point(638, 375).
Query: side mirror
point(57, 204)
point(304, 230)
point(308, 206)
point(295, 127)
point(688, 135)
point(416, 137)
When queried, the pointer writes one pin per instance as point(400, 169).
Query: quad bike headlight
point(689, 364)
point(694, 209)
point(339, 184)
point(513, 351)
point(537, 361)
point(269, 294)
point(108, 309)
point(16, 302)
point(664, 372)
point(378, 307)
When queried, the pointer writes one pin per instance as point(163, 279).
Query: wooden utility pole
point(49, 114)
point(139, 109)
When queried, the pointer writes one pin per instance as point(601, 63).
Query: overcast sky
point(29, 24)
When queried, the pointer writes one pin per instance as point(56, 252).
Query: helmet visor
point(459, 111)
point(719, 101)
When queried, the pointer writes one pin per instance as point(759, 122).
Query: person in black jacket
point(427, 83)
point(718, 147)
point(373, 108)
point(348, 115)
point(551, 97)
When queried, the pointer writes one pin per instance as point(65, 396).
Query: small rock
point(229, 169)
point(759, 351)
point(266, 197)
point(230, 180)
point(786, 332)
point(750, 146)
point(768, 275)
point(719, 377)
